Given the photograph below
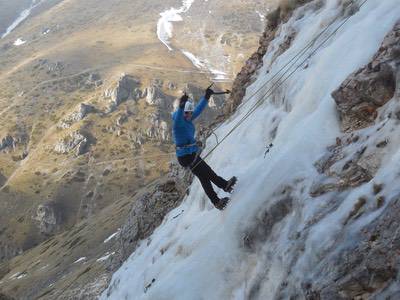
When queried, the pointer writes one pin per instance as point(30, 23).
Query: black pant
point(204, 173)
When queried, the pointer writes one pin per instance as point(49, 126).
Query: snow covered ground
point(164, 24)
point(205, 65)
point(165, 33)
point(19, 42)
point(22, 16)
point(201, 254)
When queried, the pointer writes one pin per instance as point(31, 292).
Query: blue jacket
point(183, 131)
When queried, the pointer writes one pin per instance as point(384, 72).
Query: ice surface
point(200, 254)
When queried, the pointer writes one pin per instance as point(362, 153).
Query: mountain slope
point(60, 125)
point(86, 91)
point(294, 229)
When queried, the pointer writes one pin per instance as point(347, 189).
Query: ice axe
point(219, 93)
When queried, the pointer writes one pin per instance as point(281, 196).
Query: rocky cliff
point(314, 218)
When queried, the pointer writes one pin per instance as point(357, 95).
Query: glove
point(208, 94)
point(183, 101)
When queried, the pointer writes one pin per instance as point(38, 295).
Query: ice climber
point(187, 150)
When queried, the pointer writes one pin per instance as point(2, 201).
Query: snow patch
point(201, 255)
point(22, 276)
point(106, 256)
point(204, 65)
point(22, 16)
point(80, 259)
point(19, 42)
point(115, 234)
point(164, 24)
point(18, 275)
point(262, 16)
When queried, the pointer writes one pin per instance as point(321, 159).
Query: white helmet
point(189, 106)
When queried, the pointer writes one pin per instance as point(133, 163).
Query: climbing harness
point(185, 146)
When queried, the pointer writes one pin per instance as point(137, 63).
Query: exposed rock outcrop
point(159, 129)
point(344, 169)
point(7, 142)
point(182, 176)
point(350, 163)
point(127, 87)
point(94, 79)
point(368, 266)
point(264, 222)
point(48, 218)
point(146, 215)
point(79, 114)
point(5, 297)
point(366, 269)
point(156, 97)
point(49, 66)
point(369, 88)
point(121, 119)
point(8, 251)
point(246, 75)
point(137, 138)
point(75, 141)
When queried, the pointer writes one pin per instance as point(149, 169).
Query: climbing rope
point(272, 89)
point(279, 83)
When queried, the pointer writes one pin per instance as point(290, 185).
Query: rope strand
point(278, 84)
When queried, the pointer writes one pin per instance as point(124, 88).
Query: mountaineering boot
point(221, 204)
point(230, 184)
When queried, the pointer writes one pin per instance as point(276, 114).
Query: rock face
point(94, 80)
point(125, 88)
point(349, 163)
point(7, 142)
point(50, 67)
point(48, 218)
point(5, 297)
point(345, 168)
point(7, 251)
point(244, 77)
point(183, 177)
point(363, 270)
point(146, 215)
point(159, 129)
point(364, 91)
point(367, 267)
point(79, 114)
point(74, 141)
point(156, 97)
